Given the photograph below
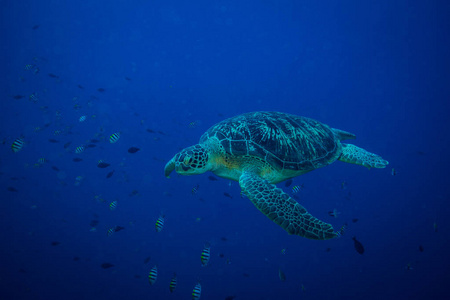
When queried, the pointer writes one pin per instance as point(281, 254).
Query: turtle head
point(189, 161)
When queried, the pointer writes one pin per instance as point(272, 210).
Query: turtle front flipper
point(283, 210)
point(355, 155)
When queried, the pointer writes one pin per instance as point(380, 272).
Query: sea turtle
point(260, 149)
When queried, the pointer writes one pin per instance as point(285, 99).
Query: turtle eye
point(187, 160)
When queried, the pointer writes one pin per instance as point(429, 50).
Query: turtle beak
point(170, 166)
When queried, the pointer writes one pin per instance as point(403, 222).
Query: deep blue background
point(379, 69)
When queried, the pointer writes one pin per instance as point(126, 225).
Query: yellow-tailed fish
point(17, 145)
point(114, 137)
point(205, 255)
point(197, 291)
point(153, 275)
point(283, 251)
point(82, 119)
point(159, 225)
point(393, 172)
point(173, 283)
point(33, 97)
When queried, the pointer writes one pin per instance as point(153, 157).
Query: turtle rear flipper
point(283, 210)
point(355, 155)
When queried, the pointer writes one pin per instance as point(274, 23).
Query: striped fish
point(173, 282)
point(296, 188)
point(113, 205)
point(153, 275)
point(205, 255)
point(114, 137)
point(79, 150)
point(17, 145)
point(159, 225)
point(197, 292)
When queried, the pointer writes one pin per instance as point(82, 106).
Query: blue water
point(377, 69)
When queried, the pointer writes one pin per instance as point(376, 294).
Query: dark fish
point(288, 183)
point(93, 223)
point(133, 150)
point(227, 195)
point(55, 243)
point(94, 141)
point(55, 168)
point(35, 27)
point(358, 246)
point(221, 255)
point(66, 145)
point(420, 248)
point(91, 146)
point(101, 90)
point(230, 297)
point(147, 260)
point(110, 174)
point(224, 239)
point(212, 178)
point(118, 228)
point(76, 258)
point(148, 130)
point(106, 265)
point(17, 97)
point(52, 75)
point(53, 141)
point(246, 275)
point(77, 159)
point(103, 165)
point(161, 132)
point(128, 78)
point(11, 189)
point(133, 193)
point(354, 220)
point(137, 276)
point(80, 86)
point(328, 250)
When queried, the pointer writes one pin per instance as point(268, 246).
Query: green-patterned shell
point(286, 142)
